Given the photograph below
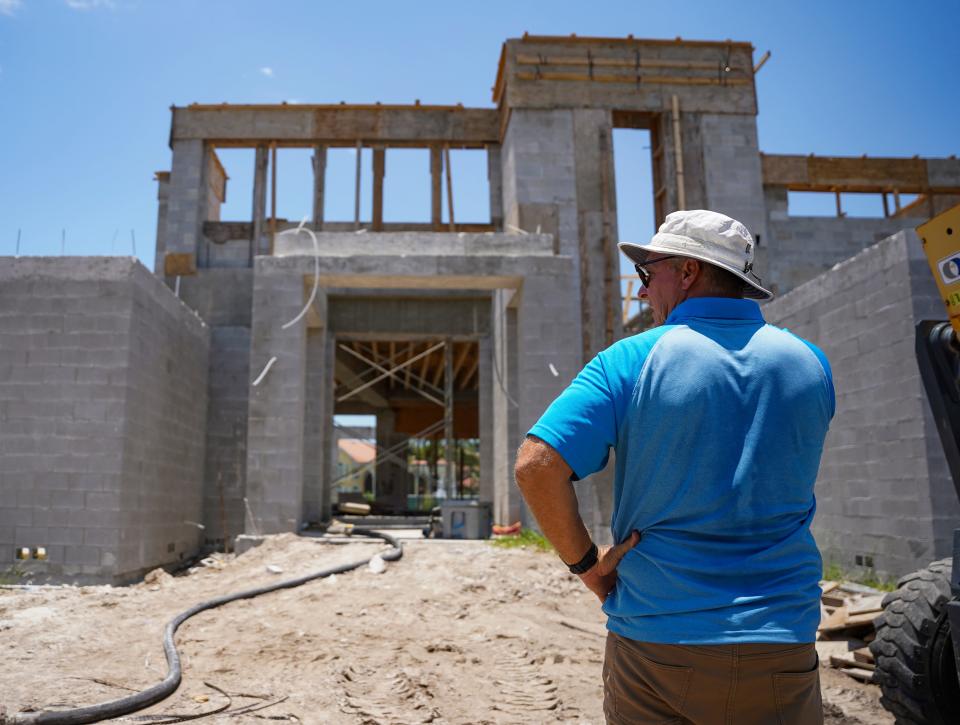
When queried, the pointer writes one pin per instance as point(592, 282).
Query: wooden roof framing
point(862, 174)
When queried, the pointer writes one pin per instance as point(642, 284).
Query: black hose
point(171, 682)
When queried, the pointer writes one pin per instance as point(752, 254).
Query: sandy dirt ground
point(454, 632)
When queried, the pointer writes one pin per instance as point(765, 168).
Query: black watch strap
point(586, 563)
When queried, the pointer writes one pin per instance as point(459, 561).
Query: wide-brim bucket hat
point(710, 237)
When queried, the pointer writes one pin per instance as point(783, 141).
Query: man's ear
point(689, 273)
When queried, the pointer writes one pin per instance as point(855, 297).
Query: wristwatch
point(586, 563)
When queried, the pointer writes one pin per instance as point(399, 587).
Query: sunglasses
point(642, 269)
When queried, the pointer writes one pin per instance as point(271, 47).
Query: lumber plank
point(633, 78)
point(859, 674)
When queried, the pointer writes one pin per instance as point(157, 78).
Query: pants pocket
point(671, 681)
point(653, 692)
point(798, 697)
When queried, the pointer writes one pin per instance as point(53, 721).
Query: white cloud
point(89, 4)
point(9, 7)
point(267, 71)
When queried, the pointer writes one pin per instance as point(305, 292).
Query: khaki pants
point(738, 684)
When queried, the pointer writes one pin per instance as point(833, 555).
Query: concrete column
point(259, 200)
point(449, 443)
point(328, 461)
point(163, 194)
point(495, 182)
point(318, 389)
point(186, 206)
point(597, 231)
point(502, 472)
point(392, 477)
point(275, 426)
point(486, 386)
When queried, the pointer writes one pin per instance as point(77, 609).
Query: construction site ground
point(454, 632)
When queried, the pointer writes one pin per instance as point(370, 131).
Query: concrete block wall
point(223, 298)
point(797, 248)
point(275, 421)
point(883, 490)
point(539, 176)
point(186, 198)
point(542, 340)
point(164, 429)
point(225, 464)
point(317, 411)
point(102, 396)
point(732, 176)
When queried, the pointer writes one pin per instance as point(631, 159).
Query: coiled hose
point(171, 682)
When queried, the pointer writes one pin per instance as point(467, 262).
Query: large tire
point(913, 652)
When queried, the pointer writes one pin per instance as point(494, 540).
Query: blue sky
point(85, 87)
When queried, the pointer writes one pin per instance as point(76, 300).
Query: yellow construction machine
point(917, 645)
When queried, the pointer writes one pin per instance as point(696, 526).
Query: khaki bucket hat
point(710, 237)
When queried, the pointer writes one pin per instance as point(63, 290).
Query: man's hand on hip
point(602, 576)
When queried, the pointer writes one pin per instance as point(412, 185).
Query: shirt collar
point(725, 308)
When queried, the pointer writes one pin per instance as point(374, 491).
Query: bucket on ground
point(466, 519)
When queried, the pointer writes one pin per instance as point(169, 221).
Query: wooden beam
point(635, 79)
point(438, 373)
point(424, 366)
point(629, 41)
point(611, 286)
point(678, 152)
point(319, 179)
point(853, 174)
point(406, 375)
point(436, 195)
point(886, 205)
point(449, 175)
point(460, 358)
point(839, 205)
point(760, 63)
point(621, 62)
point(260, 163)
point(379, 171)
point(356, 188)
point(472, 370)
point(392, 354)
point(273, 196)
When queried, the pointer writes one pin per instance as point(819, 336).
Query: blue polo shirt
point(718, 421)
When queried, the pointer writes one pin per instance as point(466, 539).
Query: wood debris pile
point(847, 613)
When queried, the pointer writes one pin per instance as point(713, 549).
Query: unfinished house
point(442, 331)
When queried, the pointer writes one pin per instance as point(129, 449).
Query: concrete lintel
point(303, 125)
point(386, 281)
point(334, 244)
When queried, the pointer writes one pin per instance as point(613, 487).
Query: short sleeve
point(581, 423)
point(828, 373)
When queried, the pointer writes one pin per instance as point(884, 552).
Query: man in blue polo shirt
point(717, 420)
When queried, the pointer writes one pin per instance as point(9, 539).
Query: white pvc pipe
point(266, 369)
point(316, 271)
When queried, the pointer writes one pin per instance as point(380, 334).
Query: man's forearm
point(553, 502)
